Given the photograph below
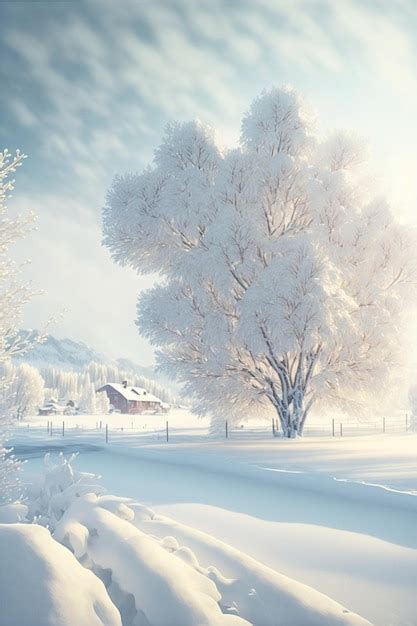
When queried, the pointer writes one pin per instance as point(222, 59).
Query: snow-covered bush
point(285, 277)
point(55, 489)
point(42, 584)
point(9, 474)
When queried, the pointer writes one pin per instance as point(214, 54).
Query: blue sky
point(86, 89)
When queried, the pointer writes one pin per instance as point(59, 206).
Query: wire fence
point(110, 433)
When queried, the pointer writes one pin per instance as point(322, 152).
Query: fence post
point(107, 433)
point(50, 428)
point(383, 424)
point(63, 429)
point(101, 424)
point(341, 429)
point(47, 427)
point(273, 427)
point(276, 426)
point(167, 432)
point(227, 434)
point(333, 426)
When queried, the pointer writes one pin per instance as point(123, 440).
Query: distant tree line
point(27, 388)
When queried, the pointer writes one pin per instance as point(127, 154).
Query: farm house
point(128, 399)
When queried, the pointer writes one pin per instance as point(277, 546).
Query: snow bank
point(42, 584)
point(290, 479)
point(13, 512)
point(152, 567)
point(259, 593)
point(141, 553)
point(167, 591)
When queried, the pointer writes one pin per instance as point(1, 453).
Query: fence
point(104, 432)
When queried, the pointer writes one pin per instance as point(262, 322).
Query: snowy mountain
point(64, 354)
point(69, 355)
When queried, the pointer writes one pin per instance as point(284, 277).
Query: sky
point(87, 88)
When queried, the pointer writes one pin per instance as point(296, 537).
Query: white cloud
point(86, 294)
point(100, 91)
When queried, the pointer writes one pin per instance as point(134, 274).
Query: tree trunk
point(292, 417)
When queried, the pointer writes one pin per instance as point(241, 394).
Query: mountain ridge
point(72, 355)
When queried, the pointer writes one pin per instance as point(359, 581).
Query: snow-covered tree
point(102, 403)
point(14, 294)
point(88, 398)
point(25, 392)
point(284, 277)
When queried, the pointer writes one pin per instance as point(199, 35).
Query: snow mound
point(166, 590)
point(259, 594)
point(13, 512)
point(39, 580)
point(158, 572)
point(143, 556)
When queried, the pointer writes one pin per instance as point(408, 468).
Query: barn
point(128, 399)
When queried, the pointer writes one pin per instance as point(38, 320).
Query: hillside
point(70, 355)
point(64, 354)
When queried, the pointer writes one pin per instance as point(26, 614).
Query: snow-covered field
point(298, 508)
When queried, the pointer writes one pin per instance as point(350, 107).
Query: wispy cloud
point(92, 84)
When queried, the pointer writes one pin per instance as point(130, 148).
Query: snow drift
point(167, 582)
point(39, 580)
point(161, 573)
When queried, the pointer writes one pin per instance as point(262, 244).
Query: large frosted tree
point(283, 276)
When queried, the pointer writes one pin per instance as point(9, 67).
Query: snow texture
point(42, 584)
point(168, 584)
point(155, 580)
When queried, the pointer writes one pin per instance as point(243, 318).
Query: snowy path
point(363, 553)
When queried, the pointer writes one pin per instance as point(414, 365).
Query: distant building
point(128, 399)
point(52, 407)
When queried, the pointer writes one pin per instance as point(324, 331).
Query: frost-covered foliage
point(284, 276)
point(14, 294)
point(42, 584)
point(24, 391)
point(9, 473)
point(57, 487)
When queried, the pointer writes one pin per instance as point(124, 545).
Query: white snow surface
point(338, 515)
point(42, 584)
point(13, 512)
point(167, 590)
point(170, 587)
point(153, 576)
